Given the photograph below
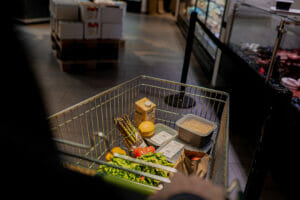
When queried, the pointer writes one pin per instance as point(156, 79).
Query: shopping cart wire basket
point(87, 129)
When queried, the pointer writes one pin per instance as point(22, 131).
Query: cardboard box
point(122, 5)
point(70, 30)
point(111, 15)
point(90, 11)
point(92, 30)
point(112, 31)
point(65, 10)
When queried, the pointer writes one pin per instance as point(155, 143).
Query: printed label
point(171, 149)
point(150, 115)
point(161, 137)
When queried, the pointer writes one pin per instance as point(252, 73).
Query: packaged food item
point(131, 136)
point(195, 130)
point(146, 128)
point(193, 162)
point(171, 150)
point(162, 135)
point(144, 110)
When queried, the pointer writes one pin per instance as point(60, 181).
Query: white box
point(92, 30)
point(66, 10)
point(70, 30)
point(122, 5)
point(112, 31)
point(111, 15)
point(90, 11)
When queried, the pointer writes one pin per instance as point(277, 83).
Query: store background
point(156, 52)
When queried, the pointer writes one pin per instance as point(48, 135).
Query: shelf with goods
point(255, 39)
point(261, 47)
point(262, 39)
point(211, 13)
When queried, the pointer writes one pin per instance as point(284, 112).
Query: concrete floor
point(156, 53)
point(154, 47)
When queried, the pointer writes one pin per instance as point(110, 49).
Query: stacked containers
point(64, 19)
point(112, 21)
point(91, 17)
point(81, 19)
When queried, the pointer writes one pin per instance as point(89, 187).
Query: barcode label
point(171, 149)
point(161, 137)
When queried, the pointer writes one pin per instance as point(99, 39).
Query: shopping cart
point(87, 129)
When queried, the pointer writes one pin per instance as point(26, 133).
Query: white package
point(92, 30)
point(111, 15)
point(90, 11)
point(112, 31)
point(66, 10)
point(70, 30)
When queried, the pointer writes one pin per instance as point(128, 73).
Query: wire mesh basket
point(87, 128)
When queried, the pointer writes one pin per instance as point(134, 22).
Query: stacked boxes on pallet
point(64, 19)
point(81, 19)
point(91, 17)
point(86, 33)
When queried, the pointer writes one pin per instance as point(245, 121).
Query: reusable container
point(195, 130)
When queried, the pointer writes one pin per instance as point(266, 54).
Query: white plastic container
point(189, 135)
point(162, 135)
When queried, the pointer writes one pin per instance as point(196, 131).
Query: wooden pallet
point(87, 53)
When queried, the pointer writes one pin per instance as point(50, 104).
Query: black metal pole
point(181, 100)
point(189, 47)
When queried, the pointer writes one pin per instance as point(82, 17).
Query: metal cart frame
point(87, 128)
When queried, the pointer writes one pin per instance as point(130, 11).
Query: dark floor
point(154, 47)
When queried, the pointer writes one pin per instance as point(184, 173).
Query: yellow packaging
point(144, 110)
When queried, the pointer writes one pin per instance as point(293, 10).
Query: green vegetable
point(150, 157)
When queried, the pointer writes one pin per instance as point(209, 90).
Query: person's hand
point(191, 185)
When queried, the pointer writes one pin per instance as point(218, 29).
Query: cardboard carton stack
point(86, 33)
point(82, 19)
point(64, 19)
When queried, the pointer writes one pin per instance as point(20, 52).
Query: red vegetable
point(195, 158)
point(139, 151)
point(150, 149)
point(142, 178)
